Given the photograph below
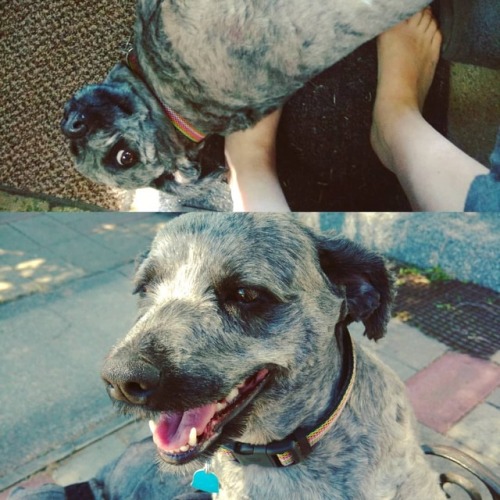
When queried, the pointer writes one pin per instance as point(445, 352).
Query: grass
point(431, 275)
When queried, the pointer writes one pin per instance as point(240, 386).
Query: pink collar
point(180, 123)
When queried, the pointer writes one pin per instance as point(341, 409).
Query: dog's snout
point(132, 381)
point(74, 125)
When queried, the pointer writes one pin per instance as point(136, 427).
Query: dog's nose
point(132, 381)
point(75, 125)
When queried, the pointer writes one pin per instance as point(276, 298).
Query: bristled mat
point(50, 48)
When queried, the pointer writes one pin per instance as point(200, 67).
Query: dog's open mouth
point(181, 436)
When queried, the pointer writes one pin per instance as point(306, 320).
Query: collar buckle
point(295, 446)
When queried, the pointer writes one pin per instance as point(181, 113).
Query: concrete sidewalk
point(56, 402)
point(65, 284)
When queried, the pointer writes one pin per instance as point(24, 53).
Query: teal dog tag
point(205, 481)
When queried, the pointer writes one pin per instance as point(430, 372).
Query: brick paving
point(450, 387)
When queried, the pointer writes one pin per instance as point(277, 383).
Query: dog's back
point(247, 57)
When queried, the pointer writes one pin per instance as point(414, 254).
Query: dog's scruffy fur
point(223, 295)
point(222, 65)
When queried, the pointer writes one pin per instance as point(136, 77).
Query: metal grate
point(463, 316)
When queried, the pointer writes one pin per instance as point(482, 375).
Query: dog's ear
point(369, 286)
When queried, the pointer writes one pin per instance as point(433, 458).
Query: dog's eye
point(126, 158)
point(245, 295)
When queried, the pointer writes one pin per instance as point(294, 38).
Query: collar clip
point(266, 455)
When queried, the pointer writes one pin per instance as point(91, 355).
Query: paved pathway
point(65, 283)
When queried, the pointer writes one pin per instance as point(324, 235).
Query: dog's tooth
point(193, 439)
point(184, 448)
point(221, 406)
point(232, 395)
point(152, 426)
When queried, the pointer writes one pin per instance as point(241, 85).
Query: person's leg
point(251, 158)
point(434, 173)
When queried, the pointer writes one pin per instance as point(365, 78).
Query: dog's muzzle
point(179, 434)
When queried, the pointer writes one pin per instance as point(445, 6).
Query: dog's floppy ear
point(369, 287)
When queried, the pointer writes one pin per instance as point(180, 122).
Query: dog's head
point(235, 332)
point(120, 136)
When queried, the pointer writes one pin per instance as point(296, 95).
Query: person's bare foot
point(407, 59)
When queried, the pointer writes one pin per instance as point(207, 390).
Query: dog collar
point(180, 123)
point(298, 445)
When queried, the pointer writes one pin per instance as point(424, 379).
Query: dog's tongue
point(173, 428)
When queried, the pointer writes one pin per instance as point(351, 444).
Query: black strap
point(267, 455)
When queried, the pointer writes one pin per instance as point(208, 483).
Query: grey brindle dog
point(240, 352)
point(241, 358)
point(221, 65)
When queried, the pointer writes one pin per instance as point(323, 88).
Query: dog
point(201, 69)
point(241, 358)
